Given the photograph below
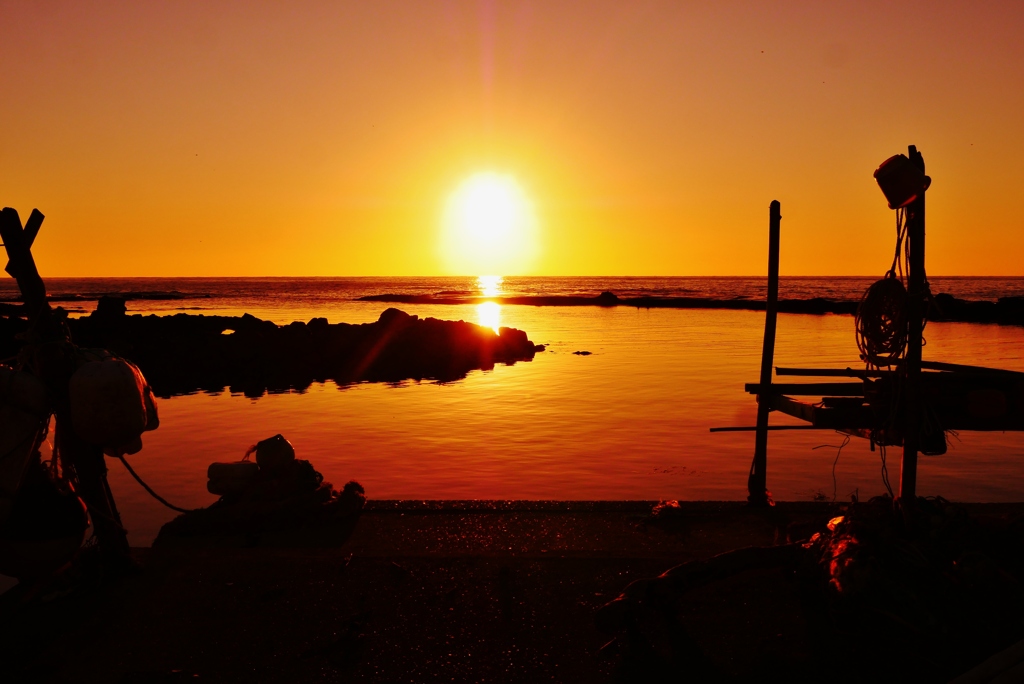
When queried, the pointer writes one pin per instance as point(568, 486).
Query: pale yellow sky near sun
point(230, 138)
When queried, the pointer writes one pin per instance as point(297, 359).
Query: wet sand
point(428, 591)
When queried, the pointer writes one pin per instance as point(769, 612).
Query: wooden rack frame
point(951, 396)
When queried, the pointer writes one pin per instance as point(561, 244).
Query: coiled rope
point(882, 332)
point(881, 319)
point(882, 322)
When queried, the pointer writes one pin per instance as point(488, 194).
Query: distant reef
point(944, 307)
point(183, 353)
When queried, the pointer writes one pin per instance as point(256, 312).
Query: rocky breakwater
point(184, 353)
point(942, 307)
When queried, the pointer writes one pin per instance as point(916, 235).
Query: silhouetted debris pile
point(286, 504)
point(275, 493)
point(914, 595)
point(184, 353)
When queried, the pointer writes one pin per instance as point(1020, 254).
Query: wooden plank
point(809, 389)
point(959, 367)
point(771, 428)
point(848, 418)
point(832, 372)
point(791, 407)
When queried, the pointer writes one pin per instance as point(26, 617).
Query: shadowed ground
point(427, 591)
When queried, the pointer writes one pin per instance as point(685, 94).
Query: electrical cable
point(149, 489)
point(839, 451)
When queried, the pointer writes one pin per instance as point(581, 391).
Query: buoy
point(226, 479)
point(111, 404)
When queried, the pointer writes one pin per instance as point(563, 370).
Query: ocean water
point(284, 299)
point(629, 421)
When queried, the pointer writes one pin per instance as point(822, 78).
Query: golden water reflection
point(490, 285)
point(488, 314)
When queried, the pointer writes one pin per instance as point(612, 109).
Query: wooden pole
point(915, 327)
point(20, 265)
point(84, 461)
point(757, 483)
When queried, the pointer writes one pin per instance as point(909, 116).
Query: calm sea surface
point(629, 421)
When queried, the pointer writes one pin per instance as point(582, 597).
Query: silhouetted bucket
point(901, 181)
point(274, 455)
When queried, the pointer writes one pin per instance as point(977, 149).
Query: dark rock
point(185, 353)
point(110, 308)
point(582, 353)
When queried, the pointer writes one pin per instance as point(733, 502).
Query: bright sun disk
point(488, 227)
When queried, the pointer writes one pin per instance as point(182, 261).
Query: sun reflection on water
point(490, 285)
point(488, 314)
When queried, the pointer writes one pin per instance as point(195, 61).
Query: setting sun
point(488, 227)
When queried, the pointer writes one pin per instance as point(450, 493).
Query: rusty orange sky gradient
point(242, 138)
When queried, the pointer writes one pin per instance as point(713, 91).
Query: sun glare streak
point(488, 227)
point(488, 314)
point(489, 285)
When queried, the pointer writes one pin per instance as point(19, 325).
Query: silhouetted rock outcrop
point(184, 353)
point(1005, 311)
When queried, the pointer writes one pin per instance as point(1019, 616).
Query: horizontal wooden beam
point(832, 372)
point(752, 428)
point(809, 389)
point(959, 367)
point(791, 407)
point(837, 418)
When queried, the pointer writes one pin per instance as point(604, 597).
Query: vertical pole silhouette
point(20, 264)
point(915, 325)
point(54, 367)
point(757, 483)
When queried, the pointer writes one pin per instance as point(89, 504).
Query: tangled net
point(882, 322)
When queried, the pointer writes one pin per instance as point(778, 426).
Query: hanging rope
point(881, 320)
point(882, 323)
point(152, 493)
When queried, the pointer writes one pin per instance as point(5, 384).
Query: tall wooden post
point(54, 367)
point(757, 483)
point(915, 328)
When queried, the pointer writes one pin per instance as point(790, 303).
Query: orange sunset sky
point(644, 138)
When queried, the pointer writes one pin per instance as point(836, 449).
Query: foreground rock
point(183, 353)
point(921, 594)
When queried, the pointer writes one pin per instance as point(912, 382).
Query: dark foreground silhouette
point(184, 353)
point(512, 592)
